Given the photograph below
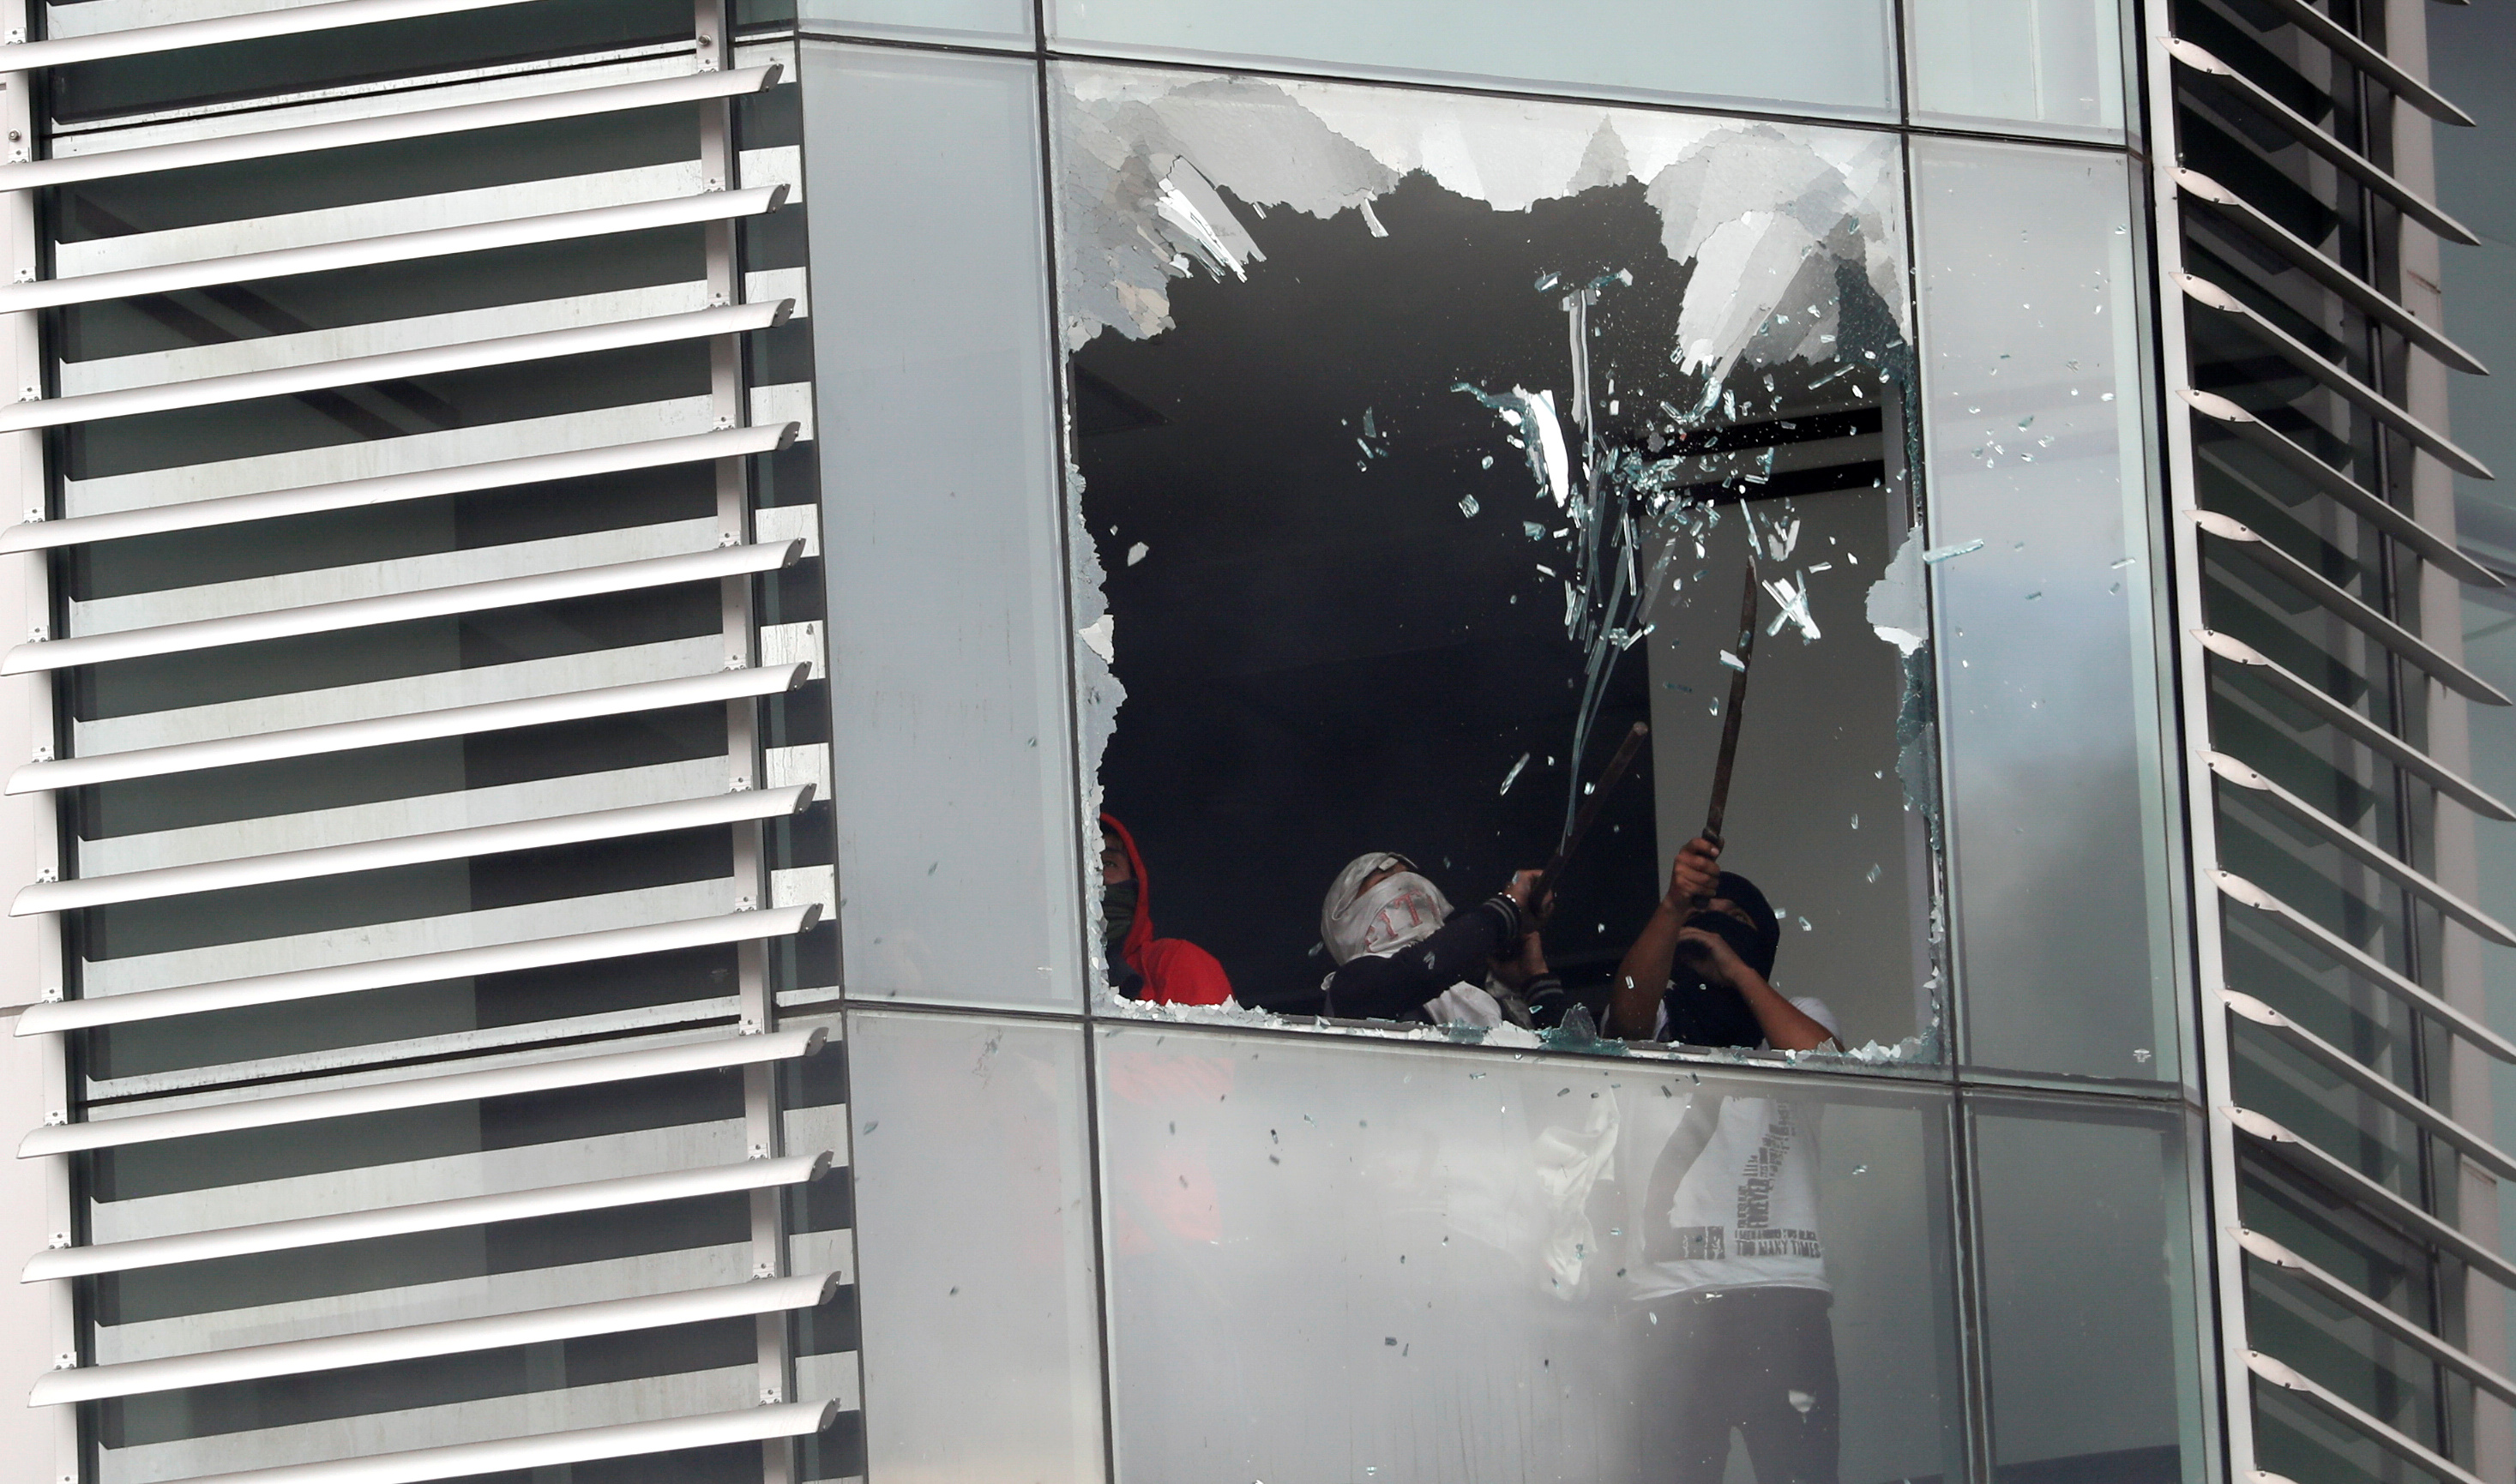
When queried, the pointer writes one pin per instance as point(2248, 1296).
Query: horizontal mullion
point(2357, 727)
point(415, 726)
point(618, 1440)
point(2359, 847)
point(2376, 403)
point(2382, 1433)
point(2375, 1083)
point(37, 655)
point(2349, 161)
point(338, 134)
point(218, 30)
point(546, 1450)
point(2352, 49)
point(2235, 889)
point(353, 1101)
point(2341, 487)
point(2195, 186)
point(452, 1336)
point(2370, 1196)
point(2264, 1250)
point(54, 1016)
point(318, 861)
point(398, 247)
point(2333, 599)
point(392, 365)
point(428, 1216)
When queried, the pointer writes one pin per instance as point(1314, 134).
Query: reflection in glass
point(964, 22)
point(954, 791)
point(2088, 1291)
point(1426, 445)
point(2041, 560)
point(1332, 1259)
point(974, 1244)
point(2041, 69)
point(1834, 57)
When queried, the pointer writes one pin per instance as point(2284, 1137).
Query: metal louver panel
point(2357, 727)
point(285, 20)
point(399, 247)
point(2404, 199)
point(33, 174)
point(386, 731)
point(2367, 58)
point(2375, 1083)
point(603, 981)
point(2235, 889)
point(2333, 600)
point(2204, 292)
point(2324, 270)
point(428, 1216)
point(548, 1450)
point(420, 1092)
point(2289, 1379)
point(57, 1015)
point(2344, 490)
point(397, 607)
point(454, 1336)
point(2264, 1249)
point(393, 365)
point(410, 850)
point(2229, 770)
point(388, 489)
point(2369, 1195)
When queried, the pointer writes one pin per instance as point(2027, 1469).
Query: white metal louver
point(2283, 218)
point(572, 673)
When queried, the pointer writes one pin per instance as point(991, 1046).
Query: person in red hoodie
point(1143, 966)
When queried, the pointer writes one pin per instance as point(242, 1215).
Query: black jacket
point(1395, 986)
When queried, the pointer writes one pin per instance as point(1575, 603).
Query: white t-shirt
point(1743, 1212)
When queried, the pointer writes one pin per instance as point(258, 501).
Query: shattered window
point(1427, 451)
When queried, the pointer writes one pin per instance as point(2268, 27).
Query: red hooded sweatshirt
point(1175, 972)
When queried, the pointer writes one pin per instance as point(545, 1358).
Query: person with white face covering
point(1403, 954)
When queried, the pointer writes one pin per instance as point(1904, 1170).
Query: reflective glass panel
point(948, 645)
point(1426, 447)
point(1332, 1259)
point(2041, 559)
point(2036, 69)
point(1824, 55)
point(957, 21)
point(973, 1244)
point(2085, 1245)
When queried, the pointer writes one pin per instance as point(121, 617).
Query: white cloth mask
point(1401, 909)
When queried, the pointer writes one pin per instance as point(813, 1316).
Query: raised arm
point(1633, 1005)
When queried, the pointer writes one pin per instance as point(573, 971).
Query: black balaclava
point(1701, 1013)
point(1117, 915)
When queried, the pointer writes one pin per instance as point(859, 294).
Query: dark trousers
point(1757, 1359)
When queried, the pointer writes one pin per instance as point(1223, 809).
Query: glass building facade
point(608, 930)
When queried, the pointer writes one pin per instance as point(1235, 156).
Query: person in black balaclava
point(1728, 1326)
point(1697, 975)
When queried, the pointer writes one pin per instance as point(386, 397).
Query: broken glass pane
point(1426, 448)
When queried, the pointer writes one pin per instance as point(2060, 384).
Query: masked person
point(1143, 966)
point(1729, 1295)
point(1403, 954)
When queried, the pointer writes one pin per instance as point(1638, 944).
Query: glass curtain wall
point(1499, 566)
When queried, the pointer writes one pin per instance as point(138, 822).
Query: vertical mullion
point(720, 168)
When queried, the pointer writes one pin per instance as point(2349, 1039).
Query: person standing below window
point(1730, 1297)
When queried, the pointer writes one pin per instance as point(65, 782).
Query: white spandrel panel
point(974, 1248)
point(1335, 1260)
point(2040, 550)
point(948, 639)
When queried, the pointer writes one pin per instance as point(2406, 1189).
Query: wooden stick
point(1589, 815)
